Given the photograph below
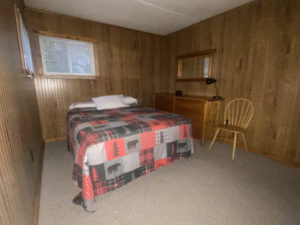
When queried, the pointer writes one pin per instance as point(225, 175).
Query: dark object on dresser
point(213, 81)
point(178, 93)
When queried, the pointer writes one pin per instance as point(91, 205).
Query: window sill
point(71, 77)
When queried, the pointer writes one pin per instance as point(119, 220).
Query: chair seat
point(231, 128)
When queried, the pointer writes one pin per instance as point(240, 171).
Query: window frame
point(18, 16)
point(68, 40)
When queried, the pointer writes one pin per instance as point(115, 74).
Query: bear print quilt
point(115, 146)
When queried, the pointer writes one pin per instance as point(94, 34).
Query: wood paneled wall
point(129, 63)
point(258, 57)
point(20, 131)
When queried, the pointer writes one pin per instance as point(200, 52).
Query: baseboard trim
point(55, 139)
point(265, 154)
point(277, 158)
point(37, 195)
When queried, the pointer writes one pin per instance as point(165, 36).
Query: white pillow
point(129, 100)
point(109, 102)
point(82, 105)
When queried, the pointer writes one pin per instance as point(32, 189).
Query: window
point(62, 56)
point(24, 44)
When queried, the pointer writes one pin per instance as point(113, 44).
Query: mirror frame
point(206, 53)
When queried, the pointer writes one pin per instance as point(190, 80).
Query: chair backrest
point(238, 113)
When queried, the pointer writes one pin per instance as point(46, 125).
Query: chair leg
point(244, 142)
point(213, 140)
point(234, 145)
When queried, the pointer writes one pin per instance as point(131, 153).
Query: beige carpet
point(209, 188)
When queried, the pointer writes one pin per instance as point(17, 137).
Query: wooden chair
point(237, 116)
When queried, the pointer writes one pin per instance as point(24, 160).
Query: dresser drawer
point(195, 117)
point(189, 106)
point(197, 131)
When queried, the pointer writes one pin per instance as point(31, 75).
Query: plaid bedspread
point(113, 147)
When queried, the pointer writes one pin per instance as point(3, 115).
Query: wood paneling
point(129, 63)
point(20, 132)
point(164, 102)
point(258, 57)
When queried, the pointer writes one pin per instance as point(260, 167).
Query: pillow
point(82, 105)
point(129, 100)
point(109, 102)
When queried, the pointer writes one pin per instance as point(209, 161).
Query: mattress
point(115, 146)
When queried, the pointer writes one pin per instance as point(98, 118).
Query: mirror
point(195, 65)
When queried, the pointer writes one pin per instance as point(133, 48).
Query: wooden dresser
point(201, 110)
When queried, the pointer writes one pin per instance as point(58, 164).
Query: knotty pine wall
point(20, 131)
point(129, 63)
point(258, 57)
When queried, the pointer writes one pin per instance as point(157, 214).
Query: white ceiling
point(154, 16)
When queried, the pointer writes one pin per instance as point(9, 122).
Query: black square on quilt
point(111, 184)
point(139, 171)
point(97, 173)
point(125, 178)
point(102, 135)
point(82, 134)
point(183, 145)
point(77, 175)
point(74, 122)
point(171, 149)
point(117, 132)
point(183, 148)
point(99, 127)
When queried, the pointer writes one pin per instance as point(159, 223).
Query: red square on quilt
point(85, 114)
point(103, 121)
point(160, 163)
point(87, 187)
point(127, 118)
point(94, 123)
point(148, 139)
point(115, 149)
point(97, 122)
point(184, 131)
point(156, 125)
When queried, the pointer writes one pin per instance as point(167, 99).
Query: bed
point(115, 146)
